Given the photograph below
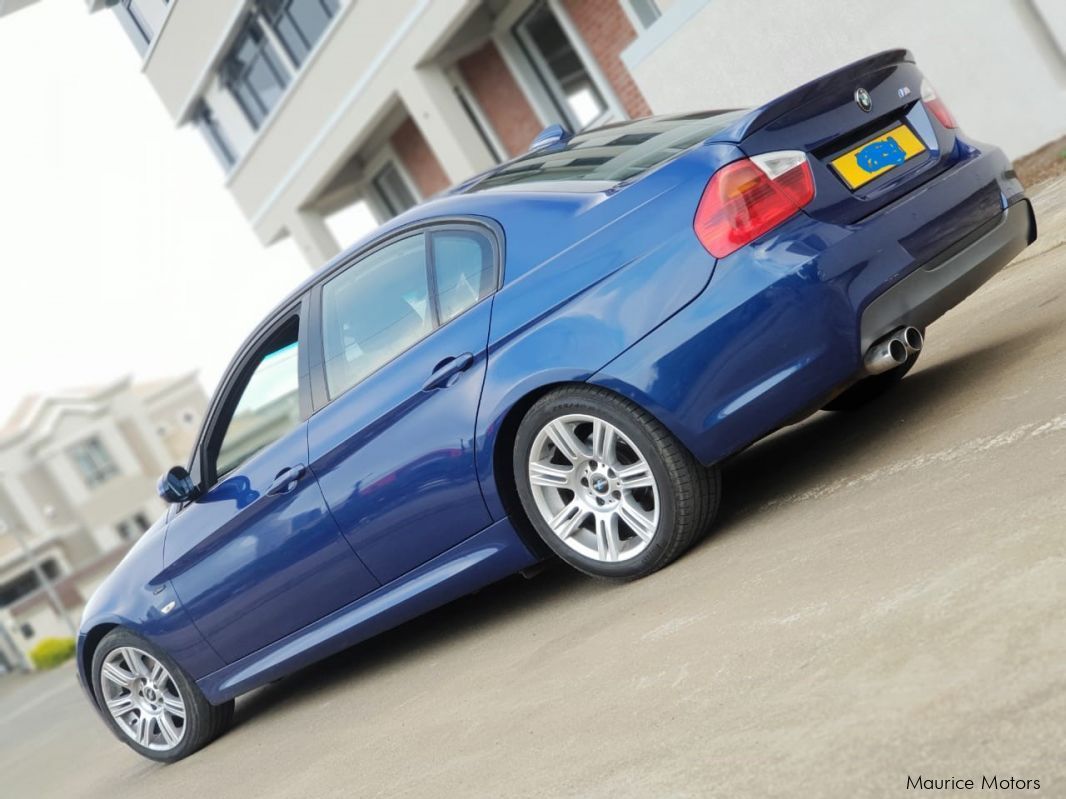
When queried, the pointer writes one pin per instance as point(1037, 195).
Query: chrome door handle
point(448, 370)
point(286, 480)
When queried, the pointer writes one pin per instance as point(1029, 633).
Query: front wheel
point(607, 487)
point(149, 702)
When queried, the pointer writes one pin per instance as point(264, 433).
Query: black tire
point(688, 491)
point(203, 721)
point(870, 388)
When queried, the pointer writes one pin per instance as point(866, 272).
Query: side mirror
point(176, 485)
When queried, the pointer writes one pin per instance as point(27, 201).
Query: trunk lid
point(826, 119)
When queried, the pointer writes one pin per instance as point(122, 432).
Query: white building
point(324, 112)
point(77, 487)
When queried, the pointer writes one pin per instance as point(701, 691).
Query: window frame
point(235, 380)
point(489, 228)
point(541, 70)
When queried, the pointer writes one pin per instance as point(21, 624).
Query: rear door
point(397, 376)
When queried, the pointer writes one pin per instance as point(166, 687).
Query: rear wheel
point(870, 388)
point(607, 487)
point(149, 702)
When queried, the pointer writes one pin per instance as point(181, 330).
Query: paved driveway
point(884, 595)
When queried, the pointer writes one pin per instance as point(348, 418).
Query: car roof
point(546, 178)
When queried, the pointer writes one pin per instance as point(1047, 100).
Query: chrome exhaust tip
point(912, 339)
point(888, 353)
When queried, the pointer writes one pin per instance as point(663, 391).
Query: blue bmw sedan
point(550, 360)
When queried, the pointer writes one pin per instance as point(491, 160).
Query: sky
point(121, 252)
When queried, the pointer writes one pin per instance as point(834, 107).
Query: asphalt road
point(884, 596)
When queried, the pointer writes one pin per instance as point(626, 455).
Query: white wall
point(998, 71)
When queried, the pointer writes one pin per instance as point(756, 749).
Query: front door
point(400, 367)
point(257, 555)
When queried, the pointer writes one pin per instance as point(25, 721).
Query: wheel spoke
point(566, 521)
point(604, 439)
point(120, 705)
point(167, 730)
point(174, 706)
point(549, 474)
point(565, 441)
point(156, 671)
point(142, 730)
point(607, 537)
point(121, 678)
point(636, 520)
point(637, 475)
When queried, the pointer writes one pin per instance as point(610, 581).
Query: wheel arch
point(92, 640)
point(503, 447)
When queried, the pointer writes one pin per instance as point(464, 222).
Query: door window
point(375, 310)
point(269, 403)
point(464, 270)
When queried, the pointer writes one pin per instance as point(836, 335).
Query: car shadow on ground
point(792, 460)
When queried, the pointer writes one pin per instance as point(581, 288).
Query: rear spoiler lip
point(763, 115)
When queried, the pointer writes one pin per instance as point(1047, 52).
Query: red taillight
point(935, 106)
point(747, 198)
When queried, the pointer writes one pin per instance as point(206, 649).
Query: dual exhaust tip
point(893, 350)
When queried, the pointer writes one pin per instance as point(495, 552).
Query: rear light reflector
point(935, 106)
point(747, 198)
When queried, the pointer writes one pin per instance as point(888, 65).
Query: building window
point(299, 24)
point(254, 74)
point(94, 462)
point(559, 67)
point(26, 583)
point(645, 12)
point(393, 190)
point(129, 529)
point(209, 126)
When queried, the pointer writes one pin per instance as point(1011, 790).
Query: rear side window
point(375, 310)
point(464, 269)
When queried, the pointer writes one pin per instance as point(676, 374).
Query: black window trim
point(316, 348)
point(237, 375)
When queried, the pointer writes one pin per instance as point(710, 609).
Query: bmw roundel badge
point(862, 99)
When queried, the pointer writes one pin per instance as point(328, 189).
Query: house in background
point(78, 471)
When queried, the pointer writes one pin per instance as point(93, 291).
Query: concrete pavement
point(883, 596)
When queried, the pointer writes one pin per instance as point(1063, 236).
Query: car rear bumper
point(784, 322)
point(936, 287)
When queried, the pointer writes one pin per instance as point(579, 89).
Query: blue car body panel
point(404, 501)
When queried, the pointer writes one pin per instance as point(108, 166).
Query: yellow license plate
point(877, 156)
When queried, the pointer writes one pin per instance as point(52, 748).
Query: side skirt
point(494, 553)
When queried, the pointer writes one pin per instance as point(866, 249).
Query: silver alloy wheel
point(594, 488)
point(143, 698)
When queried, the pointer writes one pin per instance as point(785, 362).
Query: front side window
point(560, 68)
point(299, 24)
point(94, 462)
point(375, 310)
point(269, 404)
point(464, 270)
point(254, 74)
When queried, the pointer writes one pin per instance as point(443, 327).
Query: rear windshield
point(612, 153)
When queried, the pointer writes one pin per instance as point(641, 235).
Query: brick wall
point(500, 98)
point(607, 31)
point(418, 158)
